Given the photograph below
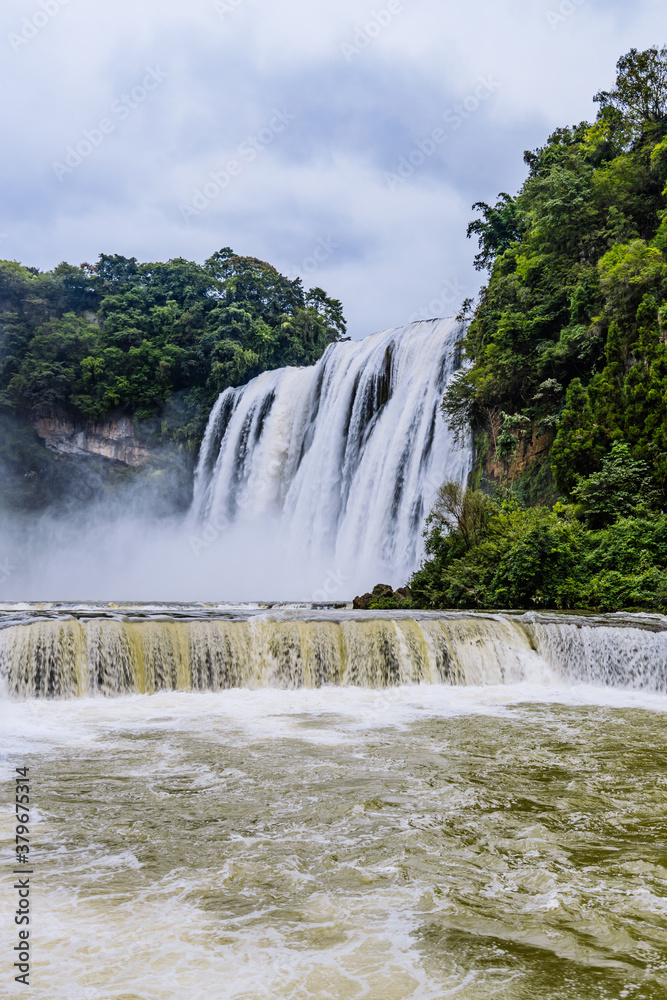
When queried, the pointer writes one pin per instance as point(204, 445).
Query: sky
point(344, 142)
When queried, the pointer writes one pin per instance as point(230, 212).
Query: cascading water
point(335, 466)
point(317, 802)
point(112, 651)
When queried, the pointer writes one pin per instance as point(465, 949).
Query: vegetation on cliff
point(567, 346)
point(128, 337)
point(157, 342)
point(606, 553)
point(566, 381)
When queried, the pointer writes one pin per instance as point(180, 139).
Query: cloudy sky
point(341, 140)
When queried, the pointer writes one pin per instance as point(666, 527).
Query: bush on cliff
point(538, 557)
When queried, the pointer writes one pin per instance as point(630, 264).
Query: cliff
point(114, 439)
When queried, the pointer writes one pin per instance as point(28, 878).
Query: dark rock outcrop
point(382, 596)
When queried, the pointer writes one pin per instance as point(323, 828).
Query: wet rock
point(382, 592)
point(362, 603)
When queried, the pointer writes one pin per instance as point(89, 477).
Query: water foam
point(343, 459)
point(112, 651)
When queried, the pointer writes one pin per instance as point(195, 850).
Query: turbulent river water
point(305, 802)
point(324, 804)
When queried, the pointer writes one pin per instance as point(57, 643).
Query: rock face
point(382, 594)
point(113, 439)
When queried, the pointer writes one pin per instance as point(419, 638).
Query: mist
point(312, 484)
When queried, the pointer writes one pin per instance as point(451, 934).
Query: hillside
point(153, 342)
point(565, 385)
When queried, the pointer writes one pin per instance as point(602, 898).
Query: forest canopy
point(128, 337)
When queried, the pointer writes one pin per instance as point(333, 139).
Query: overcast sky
point(342, 141)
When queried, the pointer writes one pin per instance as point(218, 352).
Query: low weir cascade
point(109, 653)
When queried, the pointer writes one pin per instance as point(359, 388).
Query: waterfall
point(71, 658)
point(333, 468)
point(603, 654)
point(108, 652)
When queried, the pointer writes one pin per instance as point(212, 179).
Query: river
point(465, 835)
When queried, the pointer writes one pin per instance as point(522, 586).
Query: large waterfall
point(330, 470)
point(305, 800)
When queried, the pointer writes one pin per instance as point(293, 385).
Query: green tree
point(640, 93)
point(128, 336)
point(621, 486)
point(576, 449)
point(500, 227)
point(460, 509)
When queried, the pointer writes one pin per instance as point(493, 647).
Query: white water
point(448, 804)
point(65, 652)
point(327, 473)
point(409, 843)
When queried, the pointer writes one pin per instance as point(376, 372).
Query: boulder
point(381, 590)
point(362, 603)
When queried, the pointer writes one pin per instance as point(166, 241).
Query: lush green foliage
point(524, 557)
point(567, 353)
point(569, 339)
point(129, 337)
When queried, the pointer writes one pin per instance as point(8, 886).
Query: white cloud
point(325, 175)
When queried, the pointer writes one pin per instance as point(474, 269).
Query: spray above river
point(339, 462)
point(312, 484)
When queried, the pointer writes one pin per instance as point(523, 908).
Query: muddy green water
point(425, 841)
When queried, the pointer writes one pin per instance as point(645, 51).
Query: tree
point(500, 228)
point(82, 341)
point(621, 486)
point(461, 509)
point(640, 92)
point(575, 451)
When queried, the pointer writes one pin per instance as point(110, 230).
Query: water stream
point(320, 803)
point(340, 462)
point(305, 802)
point(504, 840)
